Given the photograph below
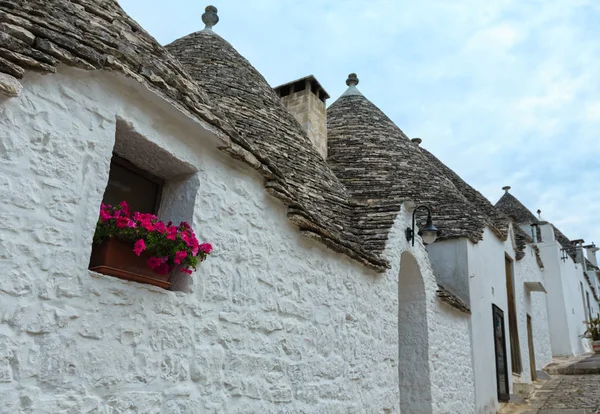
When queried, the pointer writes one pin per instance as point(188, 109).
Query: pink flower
point(105, 215)
point(131, 224)
point(124, 208)
point(206, 248)
point(186, 270)
point(179, 256)
point(184, 225)
point(171, 233)
point(139, 247)
point(147, 224)
point(155, 262)
point(122, 222)
point(160, 227)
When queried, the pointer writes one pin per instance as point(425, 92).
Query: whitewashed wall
point(566, 309)
point(275, 322)
point(488, 286)
point(531, 303)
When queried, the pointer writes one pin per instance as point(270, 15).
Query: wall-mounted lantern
point(428, 234)
point(566, 253)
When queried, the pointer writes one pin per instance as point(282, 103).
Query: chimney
point(591, 254)
point(305, 99)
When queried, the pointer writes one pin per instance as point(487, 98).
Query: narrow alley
point(573, 388)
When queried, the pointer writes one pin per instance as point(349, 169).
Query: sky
point(504, 92)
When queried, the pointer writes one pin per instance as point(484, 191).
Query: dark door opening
point(531, 349)
point(500, 348)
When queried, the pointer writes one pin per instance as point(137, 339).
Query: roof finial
point(506, 188)
point(352, 80)
point(539, 213)
point(210, 17)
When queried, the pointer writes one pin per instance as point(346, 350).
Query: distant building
point(571, 274)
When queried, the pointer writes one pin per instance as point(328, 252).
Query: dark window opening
point(299, 86)
point(140, 189)
point(314, 88)
point(284, 90)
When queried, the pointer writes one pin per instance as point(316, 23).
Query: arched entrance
point(413, 342)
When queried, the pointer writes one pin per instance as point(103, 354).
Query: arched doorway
point(413, 342)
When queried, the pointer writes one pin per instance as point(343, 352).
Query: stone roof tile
point(379, 164)
point(39, 35)
point(318, 202)
point(513, 208)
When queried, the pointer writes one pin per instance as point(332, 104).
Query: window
point(140, 189)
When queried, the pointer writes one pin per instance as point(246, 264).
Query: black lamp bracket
point(410, 231)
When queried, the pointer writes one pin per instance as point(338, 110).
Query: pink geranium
point(139, 247)
point(122, 222)
point(171, 233)
point(160, 227)
point(179, 256)
point(105, 215)
point(169, 246)
point(124, 208)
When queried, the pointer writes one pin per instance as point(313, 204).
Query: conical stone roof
point(295, 172)
point(40, 35)
point(513, 208)
point(378, 163)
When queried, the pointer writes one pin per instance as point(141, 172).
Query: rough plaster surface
point(488, 286)
point(274, 323)
point(566, 306)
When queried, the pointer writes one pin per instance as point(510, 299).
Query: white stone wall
point(532, 304)
point(488, 286)
point(566, 301)
point(275, 322)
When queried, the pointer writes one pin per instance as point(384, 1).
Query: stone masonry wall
point(311, 113)
point(275, 322)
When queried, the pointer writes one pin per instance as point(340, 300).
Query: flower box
point(142, 248)
point(114, 257)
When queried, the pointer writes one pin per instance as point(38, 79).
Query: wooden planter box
point(596, 346)
point(114, 257)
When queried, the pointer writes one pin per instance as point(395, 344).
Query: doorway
point(500, 348)
point(413, 339)
point(531, 349)
point(515, 349)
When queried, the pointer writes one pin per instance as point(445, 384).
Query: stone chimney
point(305, 99)
point(591, 254)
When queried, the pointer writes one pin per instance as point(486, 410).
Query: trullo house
point(319, 295)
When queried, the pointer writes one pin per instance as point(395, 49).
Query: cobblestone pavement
point(562, 394)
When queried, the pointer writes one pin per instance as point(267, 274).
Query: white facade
point(274, 321)
point(483, 265)
point(567, 302)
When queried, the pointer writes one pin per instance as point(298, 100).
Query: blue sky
point(504, 92)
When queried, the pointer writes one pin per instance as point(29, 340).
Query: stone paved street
point(564, 394)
